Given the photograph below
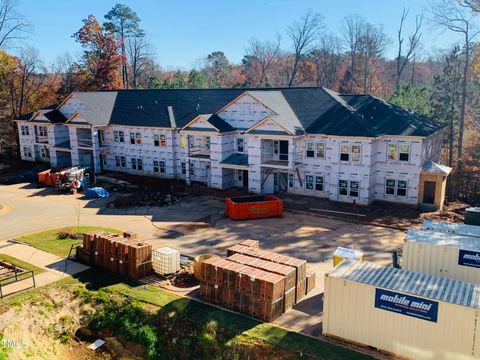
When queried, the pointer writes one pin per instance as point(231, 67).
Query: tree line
point(117, 54)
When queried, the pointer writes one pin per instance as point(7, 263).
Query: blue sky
point(182, 32)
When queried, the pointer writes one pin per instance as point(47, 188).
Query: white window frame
point(396, 188)
point(350, 188)
point(133, 163)
point(42, 131)
point(291, 180)
point(132, 138)
point(321, 183)
point(240, 145)
point(400, 152)
point(116, 136)
point(394, 153)
point(117, 160)
point(309, 182)
point(156, 166)
point(156, 140)
point(101, 135)
point(239, 175)
point(191, 168)
point(162, 166)
point(163, 140)
point(191, 141)
point(324, 149)
point(138, 138)
point(140, 164)
point(343, 152)
point(207, 142)
point(123, 161)
point(184, 168)
point(121, 136)
point(341, 182)
point(27, 152)
point(359, 159)
point(310, 147)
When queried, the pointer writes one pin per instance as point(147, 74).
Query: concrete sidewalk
point(56, 268)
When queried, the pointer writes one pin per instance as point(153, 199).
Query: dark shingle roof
point(55, 116)
point(28, 116)
point(311, 110)
point(383, 118)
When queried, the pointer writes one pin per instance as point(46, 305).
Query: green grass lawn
point(48, 240)
point(21, 264)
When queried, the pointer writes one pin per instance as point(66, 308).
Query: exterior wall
point(244, 112)
point(269, 125)
point(350, 314)
point(437, 260)
point(440, 189)
point(26, 140)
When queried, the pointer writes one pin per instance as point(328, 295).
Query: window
point(344, 153)
point(155, 166)
point(404, 152)
point(138, 138)
point(319, 183)
point(342, 187)
point(123, 161)
point(396, 187)
point(240, 145)
point(117, 161)
point(354, 188)
point(101, 136)
point(163, 140)
point(192, 169)
point(44, 153)
point(356, 153)
point(392, 152)
point(184, 168)
point(139, 164)
point(132, 138)
point(25, 130)
point(27, 152)
point(309, 182)
point(401, 188)
point(310, 150)
point(291, 181)
point(162, 167)
point(134, 164)
point(191, 141)
point(239, 175)
point(156, 140)
point(276, 146)
point(390, 187)
point(115, 136)
point(207, 142)
point(42, 131)
point(121, 136)
point(320, 150)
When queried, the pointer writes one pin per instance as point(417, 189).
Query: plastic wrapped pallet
point(166, 260)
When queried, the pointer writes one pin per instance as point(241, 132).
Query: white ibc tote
point(166, 260)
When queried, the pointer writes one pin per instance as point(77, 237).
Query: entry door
point(245, 179)
point(283, 151)
point(429, 192)
point(283, 181)
point(101, 162)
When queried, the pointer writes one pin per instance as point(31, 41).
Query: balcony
point(84, 142)
point(279, 153)
point(199, 152)
point(41, 139)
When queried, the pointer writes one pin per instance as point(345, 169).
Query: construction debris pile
point(123, 254)
point(66, 178)
point(259, 283)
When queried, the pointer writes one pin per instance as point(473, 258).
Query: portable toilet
point(346, 253)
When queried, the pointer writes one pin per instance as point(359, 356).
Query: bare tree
point(413, 42)
point(303, 34)
point(372, 44)
point(352, 32)
point(455, 17)
point(327, 59)
point(472, 4)
point(138, 52)
point(263, 54)
point(13, 26)
point(30, 62)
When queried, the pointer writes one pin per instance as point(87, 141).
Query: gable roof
point(311, 110)
point(434, 168)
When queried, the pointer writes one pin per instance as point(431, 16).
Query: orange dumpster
point(254, 207)
point(48, 177)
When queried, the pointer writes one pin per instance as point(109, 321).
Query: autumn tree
point(260, 57)
point(217, 69)
point(124, 23)
point(197, 80)
point(327, 57)
point(101, 60)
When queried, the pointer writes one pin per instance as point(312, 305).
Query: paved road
point(310, 237)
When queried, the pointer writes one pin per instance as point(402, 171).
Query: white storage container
point(166, 260)
point(442, 254)
point(457, 229)
point(406, 313)
point(346, 253)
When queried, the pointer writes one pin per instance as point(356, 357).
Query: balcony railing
point(85, 142)
point(199, 152)
point(281, 159)
point(41, 139)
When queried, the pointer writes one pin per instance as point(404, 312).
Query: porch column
point(292, 145)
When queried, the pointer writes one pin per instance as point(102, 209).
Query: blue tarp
point(96, 193)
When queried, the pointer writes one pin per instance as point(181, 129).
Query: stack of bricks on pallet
point(125, 255)
point(299, 265)
point(242, 288)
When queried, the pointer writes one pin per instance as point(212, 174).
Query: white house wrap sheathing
point(458, 229)
point(410, 314)
point(442, 254)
